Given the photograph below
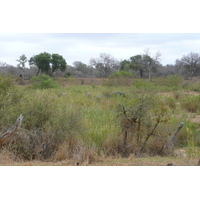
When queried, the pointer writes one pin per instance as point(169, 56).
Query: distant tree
point(48, 63)
point(79, 65)
point(22, 62)
point(137, 64)
point(151, 63)
point(58, 63)
point(125, 65)
point(178, 66)
point(3, 64)
point(82, 70)
point(143, 63)
point(104, 64)
point(192, 63)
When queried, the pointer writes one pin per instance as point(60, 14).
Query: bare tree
point(3, 64)
point(178, 66)
point(151, 63)
point(104, 64)
point(192, 63)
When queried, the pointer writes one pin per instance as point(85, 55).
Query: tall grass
point(82, 124)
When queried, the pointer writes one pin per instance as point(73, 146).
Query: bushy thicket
point(169, 81)
point(119, 78)
point(9, 98)
point(43, 82)
point(89, 121)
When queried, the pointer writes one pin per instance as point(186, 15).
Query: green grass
point(89, 112)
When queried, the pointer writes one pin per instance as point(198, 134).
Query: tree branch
point(169, 146)
point(10, 132)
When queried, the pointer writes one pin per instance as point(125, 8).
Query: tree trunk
point(141, 73)
point(124, 143)
point(38, 71)
point(149, 76)
point(10, 132)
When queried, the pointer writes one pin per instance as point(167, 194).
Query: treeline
point(141, 66)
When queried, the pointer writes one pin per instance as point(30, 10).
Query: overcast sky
point(84, 46)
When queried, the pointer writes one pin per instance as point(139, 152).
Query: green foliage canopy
point(43, 82)
point(48, 63)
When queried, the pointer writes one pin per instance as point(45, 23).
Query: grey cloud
point(83, 46)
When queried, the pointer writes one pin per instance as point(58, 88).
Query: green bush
point(121, 74)
point(119, 78)
point(43, 82)
point(143, 84)
point(67, 74)
point(169, 81)
point(139, 122)
point(9, 99)
point(5, 84)
point(193, 86)
point(171, 102)
point(47, 124)
point(191, 104)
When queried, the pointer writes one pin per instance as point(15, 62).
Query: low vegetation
point(124, 117)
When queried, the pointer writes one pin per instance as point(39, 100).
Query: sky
point(84, 46)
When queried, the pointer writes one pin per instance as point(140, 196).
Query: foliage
point(142, 84)
point(5, 84)
point(137, 64)
point(169, 81)
point(82, 125)
point(123, 78)
point(48, 63)
point(191, 62)
point(121, 74)
point(193, 86)
point(140, 121)
point(142, 63)
point(45, 127)
point(22, 61)
point(9, 98)
point(124, 65)
point(67, 74)
point(191, 104)
point(43, 82)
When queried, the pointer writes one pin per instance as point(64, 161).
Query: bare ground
point(6, 160)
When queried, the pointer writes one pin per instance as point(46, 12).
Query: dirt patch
point(195, 119)
point(168, 94)
point(192, 93)
point(131, 161)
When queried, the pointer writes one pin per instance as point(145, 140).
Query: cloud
point(84, 46)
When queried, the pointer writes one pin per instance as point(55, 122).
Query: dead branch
point(176, 132)
point(169, 146)
point(10, 132)
point(120, 93)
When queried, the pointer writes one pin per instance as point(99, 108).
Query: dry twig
point(10, 132)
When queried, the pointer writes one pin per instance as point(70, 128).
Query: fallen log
point(4, 136)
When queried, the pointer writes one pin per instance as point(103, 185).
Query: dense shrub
point(121, 74)
point(44, 133)
point(9, 99)
point(169, 81)
point(140, 120)
point(119, 78)
point(191, 104)
point(143, 84)
point(193, 86)
point(43, 82)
